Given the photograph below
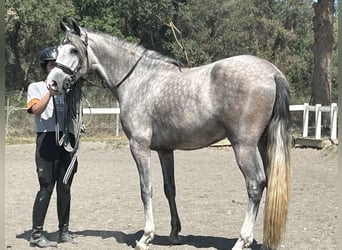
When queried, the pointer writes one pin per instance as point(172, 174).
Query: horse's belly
point(186, 138)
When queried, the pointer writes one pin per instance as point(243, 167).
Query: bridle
point(72, 73)
point(72, 109)
point(70, 91)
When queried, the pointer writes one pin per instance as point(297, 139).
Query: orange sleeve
point(31, 103)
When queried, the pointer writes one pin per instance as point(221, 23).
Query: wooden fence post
point(117, 120)
point(305, 119)
point(318, 121)
point(333, 121)
point(7, 116)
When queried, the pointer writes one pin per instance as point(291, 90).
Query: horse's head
point(72, 60)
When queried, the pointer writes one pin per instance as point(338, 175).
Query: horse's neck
point(112, 61)
point(123, 65)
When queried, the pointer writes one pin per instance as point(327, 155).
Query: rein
point(129, 72)
point(73, 117)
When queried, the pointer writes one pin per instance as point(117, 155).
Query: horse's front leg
point(167, 163)
point(142, 154)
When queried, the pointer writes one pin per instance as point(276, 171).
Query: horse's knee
point(146, 193)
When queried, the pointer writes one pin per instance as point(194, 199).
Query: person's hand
point(52, 87)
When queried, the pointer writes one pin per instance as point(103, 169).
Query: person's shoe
point(66, 237)
point(41, 241)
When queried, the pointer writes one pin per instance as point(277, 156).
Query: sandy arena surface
point(107, 212)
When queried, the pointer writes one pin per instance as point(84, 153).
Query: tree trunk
point(322, 50)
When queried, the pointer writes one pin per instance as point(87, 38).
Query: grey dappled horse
point(164, 107)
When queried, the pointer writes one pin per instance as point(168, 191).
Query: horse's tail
point(278, 167)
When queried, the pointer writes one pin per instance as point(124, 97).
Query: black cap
point(48, 54)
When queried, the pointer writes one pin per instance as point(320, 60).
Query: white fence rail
point(306, 108)
point(101, 111)
point(318, 109)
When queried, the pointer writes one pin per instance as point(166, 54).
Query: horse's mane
point(151, 54)
point(77, 42)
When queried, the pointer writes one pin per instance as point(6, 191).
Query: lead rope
point(72, 114)
point(59, 141)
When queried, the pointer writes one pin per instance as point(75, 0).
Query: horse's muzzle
point(52, 86)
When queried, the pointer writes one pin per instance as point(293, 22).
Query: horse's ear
point(63, 25)
point(76, 27)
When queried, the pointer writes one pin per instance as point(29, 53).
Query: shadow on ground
point(197, 241)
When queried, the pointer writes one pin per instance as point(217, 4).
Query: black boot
point(63, 211)
point(37, 239)
point(41, 204)
point(66, 237)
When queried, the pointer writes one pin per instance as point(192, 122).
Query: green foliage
point(279, 31)
point(98, 15)
point(145, 22)
point(30, 26)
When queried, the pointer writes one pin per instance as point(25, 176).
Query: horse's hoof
point(237, 248)
point(239, 245)
point(140, 246)
point(175, 240)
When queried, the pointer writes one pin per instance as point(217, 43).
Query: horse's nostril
point(51, 85)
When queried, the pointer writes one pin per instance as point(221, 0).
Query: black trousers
point(52, 162)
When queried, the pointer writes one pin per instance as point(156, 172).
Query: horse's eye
point(73, 51)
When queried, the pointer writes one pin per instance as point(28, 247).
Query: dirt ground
point(107, 212)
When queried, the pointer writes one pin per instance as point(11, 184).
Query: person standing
point(52, 160)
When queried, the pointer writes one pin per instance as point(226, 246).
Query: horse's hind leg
point(262, 146)
point(246, 158)
point(167, 163)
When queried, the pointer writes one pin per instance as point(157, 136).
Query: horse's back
point(244, 69)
